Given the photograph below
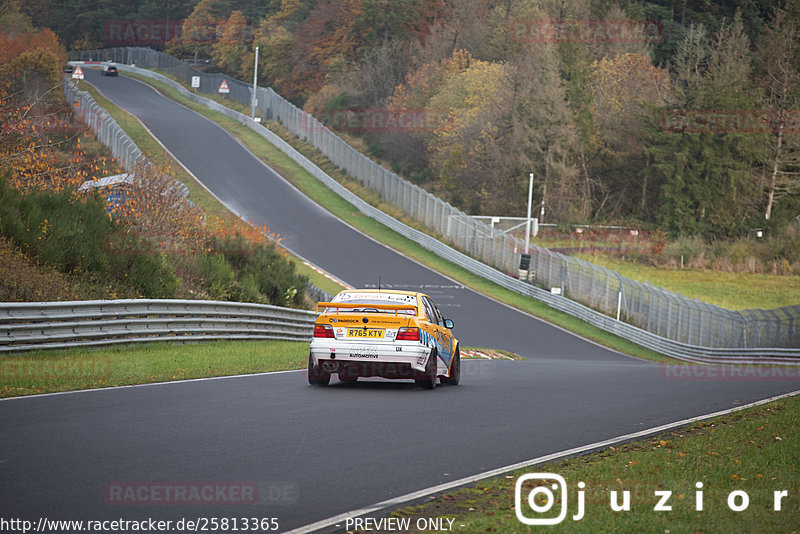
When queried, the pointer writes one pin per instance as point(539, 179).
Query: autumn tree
point(624, 87)
point(325, 42)
point(507, 28)
point(420, 86)
point(34, 123)
point(274, 42)
point(461, 146)
point(461, 25)
point(199, 31)
point(779, 73)
point(543, 137)
point(414, 95)
point(379, 23)
point(232, 51)
point(13, 21)
point(380, 71)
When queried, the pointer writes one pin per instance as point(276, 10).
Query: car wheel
point(455, 370)
point(429, 380)
point(316, 376)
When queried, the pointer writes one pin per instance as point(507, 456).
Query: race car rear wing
point(355, 306)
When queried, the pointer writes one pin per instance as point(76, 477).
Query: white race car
point(391, 334)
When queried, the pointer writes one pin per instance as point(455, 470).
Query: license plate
point(369, 333)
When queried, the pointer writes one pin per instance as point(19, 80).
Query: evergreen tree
point(704, 153)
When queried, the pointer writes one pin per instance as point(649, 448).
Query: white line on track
point(397, 501)
point(148, 384)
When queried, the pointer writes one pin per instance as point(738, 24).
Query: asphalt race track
point(313, 453)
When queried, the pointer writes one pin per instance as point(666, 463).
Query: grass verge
point(735, 291)
point(755, 451)
point(49, 371)
point(313, 188)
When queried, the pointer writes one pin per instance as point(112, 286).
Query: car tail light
point(323, 330)
point(408, 334)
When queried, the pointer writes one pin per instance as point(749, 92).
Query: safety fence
point(667, 315)
point(43, 325)
point(104, 126)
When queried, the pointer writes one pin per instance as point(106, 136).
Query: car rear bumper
point(379, 359)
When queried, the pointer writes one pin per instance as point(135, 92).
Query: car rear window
point(374, 299)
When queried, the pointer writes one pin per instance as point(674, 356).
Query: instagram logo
point(541, 499)
point(545, 490)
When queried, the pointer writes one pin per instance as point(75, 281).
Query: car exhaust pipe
point(330, 367)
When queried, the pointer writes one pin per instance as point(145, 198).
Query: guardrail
point(692, 317)
point(44, 325)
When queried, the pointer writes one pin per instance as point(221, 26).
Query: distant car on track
point(109, 70)
point(391, 334)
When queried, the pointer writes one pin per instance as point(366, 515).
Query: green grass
point(48, 371)
point(735, 291)
point(756, 450)
point(344, 210)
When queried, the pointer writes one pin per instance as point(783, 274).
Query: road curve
point(313, 452)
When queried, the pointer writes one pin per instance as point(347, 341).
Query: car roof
point(384, 291)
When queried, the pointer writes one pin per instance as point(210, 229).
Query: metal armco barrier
point(666, 322)
point(42, 325)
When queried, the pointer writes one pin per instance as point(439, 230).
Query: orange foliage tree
point(232, 50)
point(40, 145)
point(155, 207)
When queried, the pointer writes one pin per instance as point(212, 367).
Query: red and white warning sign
point(78, 73)
point(223, 87)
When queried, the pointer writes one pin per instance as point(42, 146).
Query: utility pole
point(528, 223)
point(255, 80)
point(544, 193)
point(525, 258)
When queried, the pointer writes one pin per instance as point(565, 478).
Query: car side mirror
point(448, 323)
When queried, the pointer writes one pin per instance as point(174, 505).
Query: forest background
point(679, 117)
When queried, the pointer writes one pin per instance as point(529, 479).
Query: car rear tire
point(455, 370)
point(429, 380)
point(316, 376)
